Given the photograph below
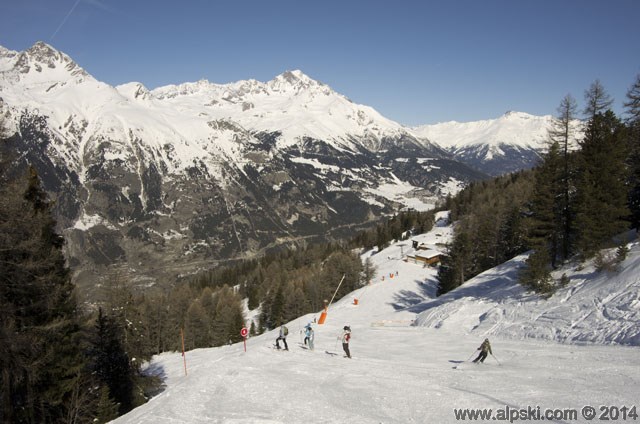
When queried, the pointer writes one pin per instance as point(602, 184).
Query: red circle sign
point(244, 332)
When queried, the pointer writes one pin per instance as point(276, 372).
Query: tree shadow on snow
point(495, 285)
point(156, 376)
point(405, 299)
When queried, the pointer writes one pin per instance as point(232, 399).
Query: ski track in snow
point(412, 353)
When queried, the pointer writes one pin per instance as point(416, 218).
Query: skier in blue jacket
point(310, 337)
point(307, 331)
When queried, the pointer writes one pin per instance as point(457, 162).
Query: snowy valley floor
point(403, 373)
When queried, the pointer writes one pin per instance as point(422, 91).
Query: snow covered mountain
point(412, 353)
point(510, 143)
point(154, 184)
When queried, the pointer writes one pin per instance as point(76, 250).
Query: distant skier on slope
point(485, 349)
point(346, 336)
point(311, 337)
point(307, 331)
point(284, 331)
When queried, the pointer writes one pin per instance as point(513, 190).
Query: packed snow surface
point(412, 352)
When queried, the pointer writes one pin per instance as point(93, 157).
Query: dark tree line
point(209, 309)
point(291, 283)
point(393, 228)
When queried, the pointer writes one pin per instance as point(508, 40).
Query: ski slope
point(411, 353)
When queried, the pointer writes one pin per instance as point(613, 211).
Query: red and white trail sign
point(244, 333)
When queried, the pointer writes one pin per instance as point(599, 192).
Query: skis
point(337, 354)
point(274, 347)
point(471, 364)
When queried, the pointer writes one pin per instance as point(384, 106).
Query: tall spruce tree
point(40, 356)
point(546, 227)
point(111, 362)
point(632, 110)
point(601, 202)
point(454, 269)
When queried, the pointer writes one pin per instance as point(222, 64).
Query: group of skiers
point(309, 336)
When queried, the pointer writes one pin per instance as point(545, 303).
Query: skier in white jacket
point(284, 331)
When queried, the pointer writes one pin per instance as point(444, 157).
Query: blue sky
point(416, 62)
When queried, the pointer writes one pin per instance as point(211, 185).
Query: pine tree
point(197, 328)
point(276, 317)
point(602, 210)
point(126, 310)
point(537, 273)
point(111, 362)
point(454, 268)
point(227, 317)
point(597, 100)
point(178, 302)
point(155, 323)
point(632, 109)
point(40, 356)
point(512, 234)
point(295, 303)
point(546, 224)
point(632, 105)
point(107, 409)
point(368, 271)
point(562, 132)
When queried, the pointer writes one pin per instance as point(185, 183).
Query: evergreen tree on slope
point(40, 353)
point(632, 108)
point(601, 204)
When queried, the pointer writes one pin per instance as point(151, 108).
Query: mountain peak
point(41, 55)
point(294, 76)
point(296, 80)
point(513, 114)
point(42, 49)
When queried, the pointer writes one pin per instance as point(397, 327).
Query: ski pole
point(496, 359)
point(472, 355)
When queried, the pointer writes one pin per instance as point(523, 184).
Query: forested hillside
point(576, 202)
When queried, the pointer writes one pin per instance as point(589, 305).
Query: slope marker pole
point(184, 357)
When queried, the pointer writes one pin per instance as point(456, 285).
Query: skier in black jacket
point(485, 349)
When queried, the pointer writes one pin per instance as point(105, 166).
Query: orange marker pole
point(323, 315)
point(184, 357)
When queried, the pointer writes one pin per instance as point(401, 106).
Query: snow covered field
point(421, 373)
